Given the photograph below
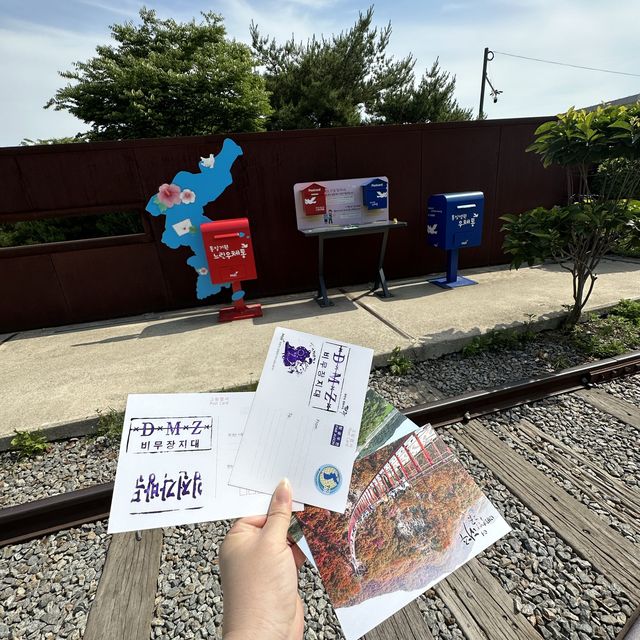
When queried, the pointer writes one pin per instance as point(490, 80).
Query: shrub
point(29, 444)
point(399, 365)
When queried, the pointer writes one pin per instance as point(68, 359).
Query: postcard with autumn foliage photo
point(414, 515)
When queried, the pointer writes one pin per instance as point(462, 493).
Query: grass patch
point(498, 340)
point(28, 444)
point(610, 334)
point(110, 423)
point(629, 310)
point(399, 365)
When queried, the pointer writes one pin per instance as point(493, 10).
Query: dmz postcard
point(305, 419)
point(176, 454)
point(413, 516)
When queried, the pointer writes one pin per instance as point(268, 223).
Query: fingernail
point(282, 493)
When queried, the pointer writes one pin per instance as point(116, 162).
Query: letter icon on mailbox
point(229, 250)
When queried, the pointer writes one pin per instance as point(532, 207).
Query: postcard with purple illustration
point(305, 419)
point(413, 516)
point(176, 454)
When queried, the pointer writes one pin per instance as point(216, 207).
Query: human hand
point(259, 571)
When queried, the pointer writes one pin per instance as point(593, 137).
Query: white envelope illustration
point(182, 227)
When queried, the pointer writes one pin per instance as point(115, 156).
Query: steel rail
point(48, 515)
point(40, 517)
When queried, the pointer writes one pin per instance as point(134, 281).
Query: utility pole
point(485, 59)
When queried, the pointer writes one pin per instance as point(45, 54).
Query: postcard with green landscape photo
point(414, 515)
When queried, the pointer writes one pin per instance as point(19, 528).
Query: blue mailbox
point(454, 220)
point(375, 194)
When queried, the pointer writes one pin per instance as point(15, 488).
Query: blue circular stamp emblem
point(328, 479)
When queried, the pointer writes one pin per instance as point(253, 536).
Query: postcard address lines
point(282, 433)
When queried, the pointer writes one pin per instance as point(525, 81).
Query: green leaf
point(621, 124)
point(545, 126)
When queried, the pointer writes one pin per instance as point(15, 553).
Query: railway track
point(548, 477)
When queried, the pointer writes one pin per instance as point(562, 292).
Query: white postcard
point(305, 419)
point(176, 454)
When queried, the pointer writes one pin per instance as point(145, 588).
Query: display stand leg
point(380, 280)
point(322, 298)
point(240, 310)
point(452, 280)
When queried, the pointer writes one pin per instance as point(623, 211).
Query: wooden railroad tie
point(123, 606)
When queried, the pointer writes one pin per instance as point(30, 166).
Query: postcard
point(414, 515)
point(176, 454)
point(305, 419)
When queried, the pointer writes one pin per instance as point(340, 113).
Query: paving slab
point(442, 320)
point(65, 374)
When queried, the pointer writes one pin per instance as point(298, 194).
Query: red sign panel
point(314, 200)
point(229, 250)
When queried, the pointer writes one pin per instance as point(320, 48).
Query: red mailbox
point(314, 200)
point(229, 252)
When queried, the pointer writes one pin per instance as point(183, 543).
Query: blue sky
point(38, 38)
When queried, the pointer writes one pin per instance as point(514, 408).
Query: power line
point(566, 64)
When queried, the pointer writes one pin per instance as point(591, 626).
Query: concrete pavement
point(64, 374)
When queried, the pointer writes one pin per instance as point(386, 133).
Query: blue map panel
point(182, 203)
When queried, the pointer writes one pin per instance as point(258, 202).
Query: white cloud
point(584, 33)
point(130, 10)
point(34, 56)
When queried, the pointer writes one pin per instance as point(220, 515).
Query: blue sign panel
point(375, 194)
point(454, 220)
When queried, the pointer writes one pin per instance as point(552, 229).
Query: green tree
point(431, 101)
point(79, 137)
point(600, 214)
point(330, 82)
point(164, 78)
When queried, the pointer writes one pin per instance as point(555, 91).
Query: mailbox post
point(454, 221)
point(230, 257)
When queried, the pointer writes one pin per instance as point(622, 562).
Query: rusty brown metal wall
point(55, 284)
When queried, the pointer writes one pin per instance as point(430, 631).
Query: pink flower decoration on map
point(187, 196)
point(169, 194)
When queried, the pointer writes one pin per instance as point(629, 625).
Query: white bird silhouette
point(382, 194)
point(310, 200)
point(244, 245)
point(432, 229)
point(234, 275)
point(208, 162)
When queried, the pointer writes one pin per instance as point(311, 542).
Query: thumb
point(279, 515)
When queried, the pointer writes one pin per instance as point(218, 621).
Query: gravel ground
point(189, 599)
point(598, 436)
point(46, 586)
point(559, 592)
point(69, 465)
point(534, 452)
point(453, 374)
point(626, 389)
